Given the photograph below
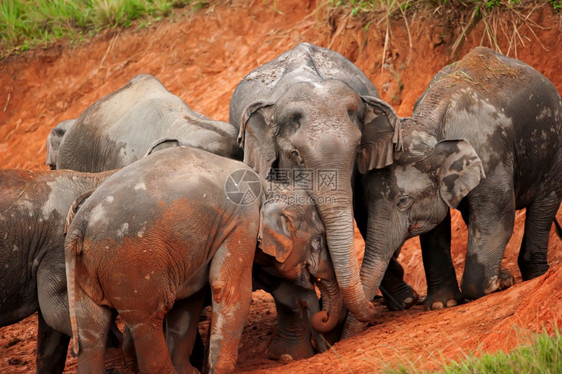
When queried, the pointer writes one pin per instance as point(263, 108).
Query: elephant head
point(293, 237)
point(413, 195)
point(321, 128)
point(53, 142)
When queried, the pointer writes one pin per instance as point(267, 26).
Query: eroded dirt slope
point(201, 58)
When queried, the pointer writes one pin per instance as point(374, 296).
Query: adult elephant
point(137, 119)
point(310, 113)
point(486, 138)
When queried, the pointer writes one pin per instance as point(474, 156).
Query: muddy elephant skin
point(140, 117)
point(189, 232)
point(33, 208)
point(485, 138)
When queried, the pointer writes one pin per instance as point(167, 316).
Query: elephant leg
point(442, 287)
point(150, 344)
point(93, 322)
point(490, 226)
point(197, 358)
point(129, 352)
point(230, 277)
point(181, 330)
point(398, 295)
point(52, 346)
point(294, 332)
point(540, 214)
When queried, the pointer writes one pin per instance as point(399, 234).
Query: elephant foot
point(400, 298)
point(283, 350)
point(532, 271)
point(499, 282)
point(443, 297)
point(506, 280)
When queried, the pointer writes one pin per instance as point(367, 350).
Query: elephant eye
point(316, 244)
point(296, 119)
point(404, 202)
point(297, 157)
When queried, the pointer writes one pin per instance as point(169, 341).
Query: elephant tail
point(73, 247)
point(74, 208)
point(558, 228)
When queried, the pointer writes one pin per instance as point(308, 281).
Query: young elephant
point(33, 208)
point(485, 138)
point(160, 230)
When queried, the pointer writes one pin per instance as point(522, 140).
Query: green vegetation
point(544, 355)
point(27, 23)
point(369, 5)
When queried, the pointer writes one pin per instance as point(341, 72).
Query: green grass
point(544, 355)
point(28, 23)
point(25, 24)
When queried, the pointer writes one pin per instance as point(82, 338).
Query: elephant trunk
point(381, 243)
point(336, 211)
point(327, 319)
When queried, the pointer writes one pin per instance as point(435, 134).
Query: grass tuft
point(26, 24)
point(543, 355)
point(499, 18)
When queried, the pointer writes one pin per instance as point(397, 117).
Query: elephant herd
point(156, 211)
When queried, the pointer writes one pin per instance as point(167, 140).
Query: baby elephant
point(486, 138)
point(33, 208)
point(163, 228)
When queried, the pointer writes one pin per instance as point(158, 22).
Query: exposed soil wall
point(201, 57)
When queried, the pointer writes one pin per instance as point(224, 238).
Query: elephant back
point(121, 127)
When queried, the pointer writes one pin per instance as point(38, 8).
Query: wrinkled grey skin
point(484, 138)
point(33, 208)
point(53, 142)
point(135, 120)
point(310, 108)
point(142, 259)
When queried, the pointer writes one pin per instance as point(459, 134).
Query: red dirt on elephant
point(201, 57)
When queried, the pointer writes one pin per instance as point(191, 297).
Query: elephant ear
point(381, 135)
point(54, 140)
point(460, 170)
point(274, 237)
point(53, 144)
point(257, 137)
point(161, 144)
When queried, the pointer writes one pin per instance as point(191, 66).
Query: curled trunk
point(327, 319)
